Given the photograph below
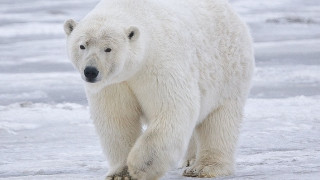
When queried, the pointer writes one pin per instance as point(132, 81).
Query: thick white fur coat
point(186, 71)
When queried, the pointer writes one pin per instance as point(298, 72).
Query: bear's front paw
point(143, 164)
point(119, 178)
point(139, 170)
point(208, 171)
point(137, 173)
point(123, 175)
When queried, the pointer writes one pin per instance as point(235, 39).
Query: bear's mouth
point(91, 80)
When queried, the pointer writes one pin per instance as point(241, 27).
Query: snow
point(45, 126)
point(279, 140)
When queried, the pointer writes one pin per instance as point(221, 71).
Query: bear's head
point(104, 53)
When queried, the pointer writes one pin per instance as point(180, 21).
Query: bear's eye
point(82, 47)
point(107, 50)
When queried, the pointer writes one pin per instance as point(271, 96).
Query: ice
point(45, 126)
point(279, 139)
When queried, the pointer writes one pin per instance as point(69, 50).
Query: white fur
point(187, 71)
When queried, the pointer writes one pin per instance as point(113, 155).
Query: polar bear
point(183, 68)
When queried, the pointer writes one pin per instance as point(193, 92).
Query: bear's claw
point(207, 171)
point(124, 175)
point(119, 178)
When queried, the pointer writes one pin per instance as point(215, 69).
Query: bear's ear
point(133, 33)
point(69, 26)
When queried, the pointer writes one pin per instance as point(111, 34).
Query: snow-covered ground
point(46, 132)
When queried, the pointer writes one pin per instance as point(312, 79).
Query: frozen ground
point(45, 130)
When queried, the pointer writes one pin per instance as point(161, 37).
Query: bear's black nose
point(91, 73)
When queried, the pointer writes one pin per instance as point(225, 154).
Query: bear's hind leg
point(217, 137)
